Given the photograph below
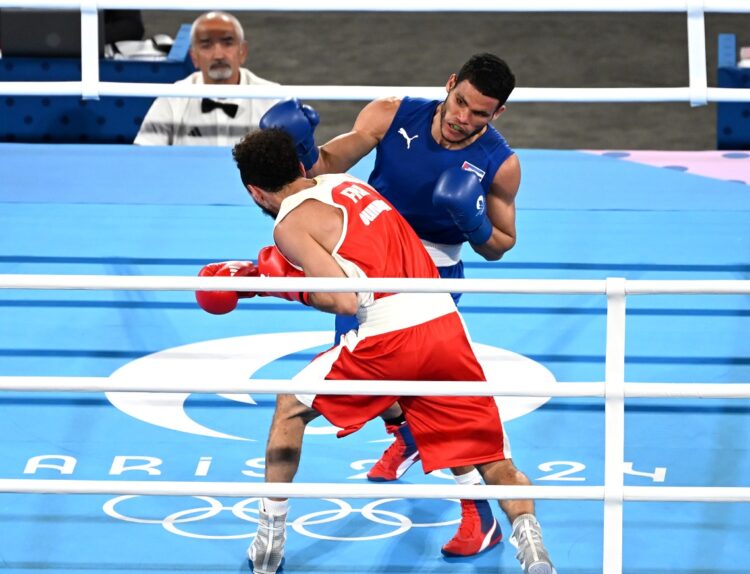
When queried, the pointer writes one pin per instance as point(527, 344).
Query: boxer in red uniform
point(338, 226)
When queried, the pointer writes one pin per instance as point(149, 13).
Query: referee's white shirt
point(180, 121)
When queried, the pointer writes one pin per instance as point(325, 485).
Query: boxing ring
point(118, 389)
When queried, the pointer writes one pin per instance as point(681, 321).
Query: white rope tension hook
point(696, 24)
point(90, 49)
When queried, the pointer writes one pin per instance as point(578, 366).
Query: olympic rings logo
point(176, 522)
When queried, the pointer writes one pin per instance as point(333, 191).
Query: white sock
point(471, 477)
point(274, 507)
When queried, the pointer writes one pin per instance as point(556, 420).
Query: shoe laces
point(272, 525)
point(470, 520)
point(528, 537)
point(397, 448)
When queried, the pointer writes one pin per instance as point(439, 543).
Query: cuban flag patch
point(473, 169)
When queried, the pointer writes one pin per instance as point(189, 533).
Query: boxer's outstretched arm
point(305, 237)
point(341, 153)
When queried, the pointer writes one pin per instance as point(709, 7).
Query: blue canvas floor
point(150, 211)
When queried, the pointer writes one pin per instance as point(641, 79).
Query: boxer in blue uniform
point(454, 178)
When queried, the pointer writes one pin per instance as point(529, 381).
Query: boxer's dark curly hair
point(267, 159)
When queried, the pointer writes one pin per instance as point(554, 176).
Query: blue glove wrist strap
point(308, 158)
point(481, 234)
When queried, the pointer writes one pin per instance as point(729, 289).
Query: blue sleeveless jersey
point(409, 161)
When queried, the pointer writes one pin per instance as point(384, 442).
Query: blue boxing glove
point(459, 192)
point(298, 121)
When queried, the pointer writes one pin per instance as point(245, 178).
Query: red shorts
point(449, 431)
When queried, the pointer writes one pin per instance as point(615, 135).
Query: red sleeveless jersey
point(376, 240)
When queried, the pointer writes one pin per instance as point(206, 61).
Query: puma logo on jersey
point(369, 213)
point(408, 139)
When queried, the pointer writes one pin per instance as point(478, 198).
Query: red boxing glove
point(221, 302)
point(271, 263)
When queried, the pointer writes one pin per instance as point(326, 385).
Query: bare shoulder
point(310, 219)
point(507, 178)
point(387, 105)
point(377, 116)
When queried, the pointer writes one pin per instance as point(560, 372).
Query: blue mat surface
point(168, 211)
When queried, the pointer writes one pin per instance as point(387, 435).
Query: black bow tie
point(208, 105)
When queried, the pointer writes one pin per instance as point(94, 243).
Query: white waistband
point(402, 310)
point(443, 254)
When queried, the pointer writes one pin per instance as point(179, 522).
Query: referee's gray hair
point(218, 14)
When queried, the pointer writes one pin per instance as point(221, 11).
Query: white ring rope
point(300, 490)
point(321, 284)
point(337, 490)
point(367, 93)
point(30, 383)
point(275, 284)
point(90, 87)
point(729, 6)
